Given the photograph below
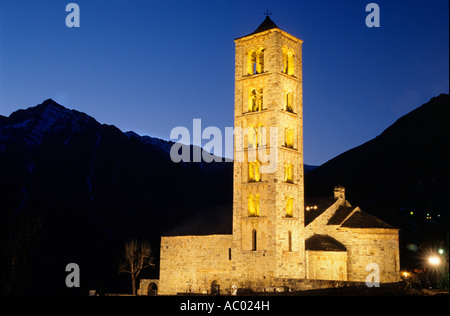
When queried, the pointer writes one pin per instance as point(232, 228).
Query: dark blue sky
point(149, 66)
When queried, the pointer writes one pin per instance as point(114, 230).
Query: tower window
point(254, 235)
point(255, 62)
point(289, 206)
point(255, 100)
point(288, 61)
point(289, 102)
point(253, 172)
point(259, 103)
point(289, 138)
point(257, 136)
point(289, 173)
point(253, 205)
point(252, 134)
point(260, 66)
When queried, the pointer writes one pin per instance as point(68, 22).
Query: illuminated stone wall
point(326, 265)
point(371, 245)
point(189, 264)
point(279, 250)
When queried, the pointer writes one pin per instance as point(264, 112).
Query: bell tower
point(268, 190)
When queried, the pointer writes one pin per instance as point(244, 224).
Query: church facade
point(278, 239)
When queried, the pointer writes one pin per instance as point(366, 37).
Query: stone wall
point(371, 245)
point(193, 263)
point(326, 265)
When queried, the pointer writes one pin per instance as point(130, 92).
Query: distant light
point(411, 213)
point(405, 274)
point(315, 207)
point(434, 260)
point(307, 208)
point(411, 247)
point(441, 251)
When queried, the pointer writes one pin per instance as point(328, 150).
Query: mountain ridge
point(62, 168)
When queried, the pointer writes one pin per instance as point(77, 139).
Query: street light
point(434, 260)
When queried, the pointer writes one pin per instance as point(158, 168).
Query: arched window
point(255, 61)
point(289, 102)
point(253, 172)
point(290, 68)
point(252, 100)
point(289, 173)
point(255, 100)
point(288, 61)
point(257, 204)
point(289, 206)
point(253, 205)
point(252, 134)
point(260, 66)
point(289, 138)
point(254, 236)
point(251, 62)
point(259, 103)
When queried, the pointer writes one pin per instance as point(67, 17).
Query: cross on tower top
point(267, 13)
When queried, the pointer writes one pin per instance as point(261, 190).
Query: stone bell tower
point(268, 192)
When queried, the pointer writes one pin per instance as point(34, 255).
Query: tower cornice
point(265, 33)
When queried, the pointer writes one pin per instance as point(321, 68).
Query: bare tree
point(138, 256)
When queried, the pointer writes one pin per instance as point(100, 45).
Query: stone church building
point(278, 239)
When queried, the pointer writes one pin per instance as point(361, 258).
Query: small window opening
point(289, 206)
point(289, 102)
point(289, 138)
point(289, 173)
point(290, 241)
point(254, 235)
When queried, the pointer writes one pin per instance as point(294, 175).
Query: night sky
point(149, 66)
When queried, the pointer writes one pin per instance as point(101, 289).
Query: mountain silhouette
point(91, 187)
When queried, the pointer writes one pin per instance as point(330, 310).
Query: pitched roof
point(341, 213)
point(363, 220)
point(322, 205)
point(266, 25)
point(214, 220)
point(323, 243)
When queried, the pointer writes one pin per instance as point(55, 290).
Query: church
point(279, 240)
